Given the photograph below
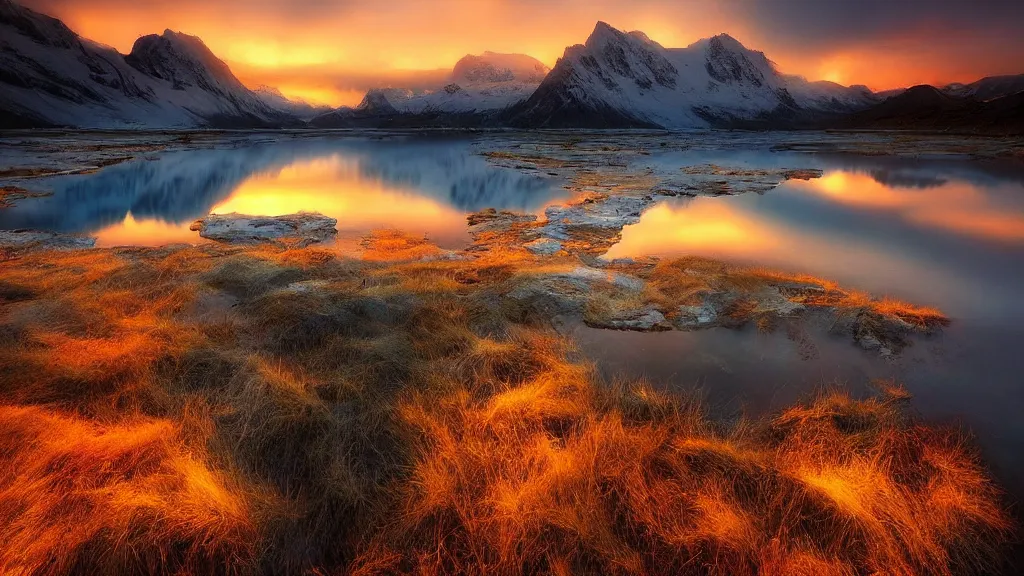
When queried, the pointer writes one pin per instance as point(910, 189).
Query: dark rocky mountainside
point(49, 76)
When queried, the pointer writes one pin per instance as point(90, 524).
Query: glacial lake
point(938, 230)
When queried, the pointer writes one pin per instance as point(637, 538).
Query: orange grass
point(82, 497)
point(687, 280)
point(268, 410)
point(557, 475)
point(394, 245)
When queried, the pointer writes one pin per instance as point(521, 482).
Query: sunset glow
point(333, 52)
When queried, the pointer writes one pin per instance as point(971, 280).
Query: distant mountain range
point(929, 108)
point(49, 76)
point(299, 108)
point(477, 90)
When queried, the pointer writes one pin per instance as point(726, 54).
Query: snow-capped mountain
point(299, 108)
point(477, 87)
point(493, 68)
point(479, 84)
point(627, 79)
point(51, 76)
point(988, 88)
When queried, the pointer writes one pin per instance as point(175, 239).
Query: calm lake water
point(941, 231)
point(420, 186)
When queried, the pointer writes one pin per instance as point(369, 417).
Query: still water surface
point(420, 186)
point(939, 231)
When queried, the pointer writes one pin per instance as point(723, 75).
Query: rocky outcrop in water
point(14, 241)
point(300, 229)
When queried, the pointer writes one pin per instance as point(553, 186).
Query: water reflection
point(956, 206)
point(422, 186)
point(940, 241)
point(944, 233)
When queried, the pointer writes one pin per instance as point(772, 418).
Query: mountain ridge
point(53, 77)
point(625, 79)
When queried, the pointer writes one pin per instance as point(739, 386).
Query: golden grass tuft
point(395, 245)
point(549, 476)
point(81, 497)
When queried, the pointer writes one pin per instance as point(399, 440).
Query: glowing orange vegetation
point(559, 475)
point(394, 245)
point(386, 417)
point(70, 487)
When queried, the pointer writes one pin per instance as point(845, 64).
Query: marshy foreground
point(277, 408)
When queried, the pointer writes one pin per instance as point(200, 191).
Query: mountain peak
point(729, 61)
point(604, 32)
point(41, 28)
point(193, 44)
point(267, 90)
point(641, 36)
point(184, 60)
point(492, 67)
point(727, 41)
point(376, 102)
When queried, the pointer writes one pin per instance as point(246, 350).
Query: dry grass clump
point(556, 475)
point(743, 294)
point(671, 283)
point(87, 498)
point(923, 317)
point(94, 331)
point(395, 245)
point(270, 410)
point(814, 291)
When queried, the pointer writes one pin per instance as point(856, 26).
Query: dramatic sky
point(333, 50)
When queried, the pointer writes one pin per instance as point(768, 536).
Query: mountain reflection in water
point(422, 186)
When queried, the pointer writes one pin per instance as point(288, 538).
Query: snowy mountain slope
point(478, 84)
point(988, 88)
point(299, 108)
point(477, 87)
point(51, 76)
point(198, 81)
point(627, 79)
point(375, 110)
point(493, 67)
